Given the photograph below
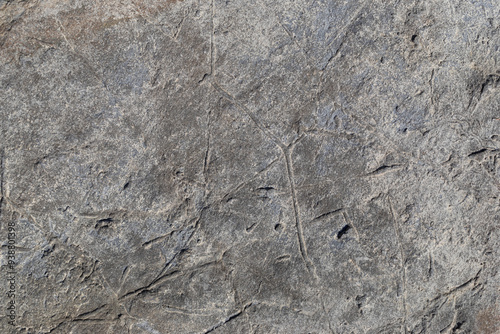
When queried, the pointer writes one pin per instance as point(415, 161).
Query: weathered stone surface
point(233, 166)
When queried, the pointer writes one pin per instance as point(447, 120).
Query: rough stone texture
point(230, 166)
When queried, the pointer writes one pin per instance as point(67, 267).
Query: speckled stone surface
point(229, 166)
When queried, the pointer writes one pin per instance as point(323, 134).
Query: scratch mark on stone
point(454, 320)
point(64, 35)
point(2, 173)
point(384, 169)
point(164, 273)
point(327, 214)
point(85, 314)
point(463, 285)
point(298, 224)
point(212, 45)
point(429, 271)
point(248, 113)
point(282, 258)
point(431, 95)
point(289, 33)
point(333, 57)
point(206, 160)
point(354, 17)
point(198, 312)
point(179, 27)
point(172, 259)
point(228, 319)
point(477, 152)
point(158, 280)
point(403, 264)
point(437, 302)
point(289, 169)
point(212, 41)
point(326, 315)
point(227, 196)
point(350, 223)
point(123, 279)
point(149, 243)
point(79, 318)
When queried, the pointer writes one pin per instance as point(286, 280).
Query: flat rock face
point(230, 166)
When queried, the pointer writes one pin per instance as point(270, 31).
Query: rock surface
point(210, 166)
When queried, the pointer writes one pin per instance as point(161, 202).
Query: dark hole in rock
point(343, 231)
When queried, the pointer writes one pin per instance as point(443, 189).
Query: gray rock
point(250, 167)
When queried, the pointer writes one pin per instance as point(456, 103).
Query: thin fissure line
point(403, 264)
point(212, 42)
point(291, 36)
point(286, 152)
point(248, 113)
point(348, 24)
point(2, 154)
point(207, 151)
point(298, 223)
